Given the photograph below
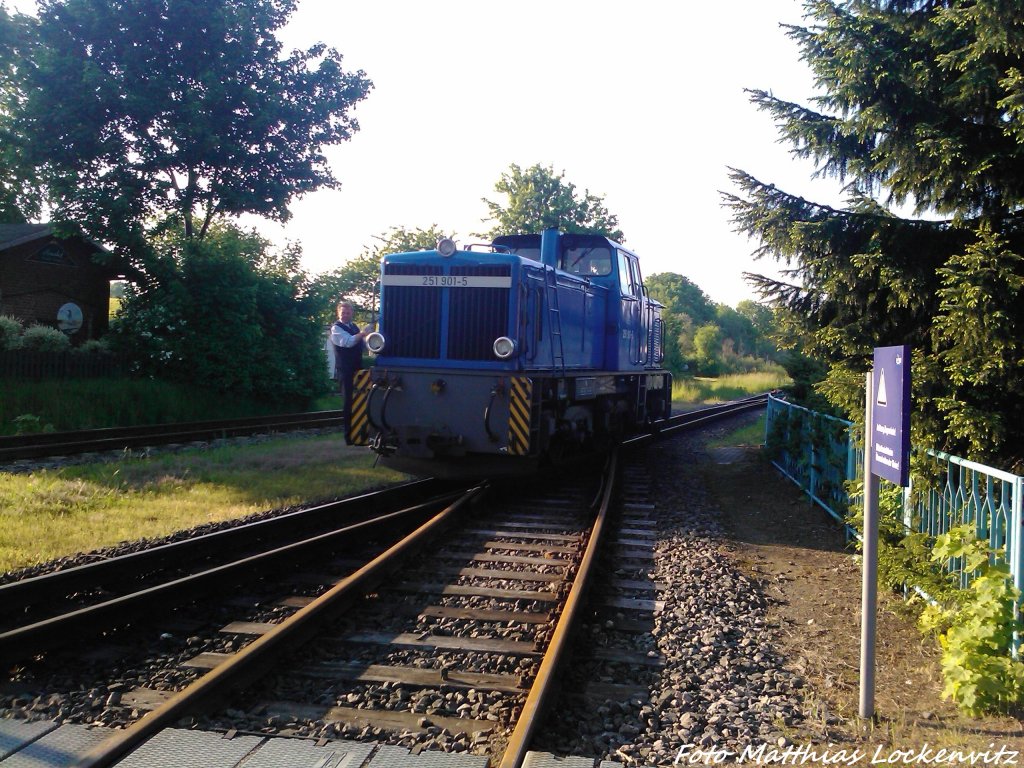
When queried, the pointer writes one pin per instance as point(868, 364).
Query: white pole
point(869, 586)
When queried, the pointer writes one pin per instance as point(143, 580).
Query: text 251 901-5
point(445, 281)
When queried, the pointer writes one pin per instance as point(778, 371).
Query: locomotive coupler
point(384, 444)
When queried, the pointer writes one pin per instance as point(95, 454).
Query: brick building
point(46, 280)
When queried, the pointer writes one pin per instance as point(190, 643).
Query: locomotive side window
point(626, 284)
point(638, 281)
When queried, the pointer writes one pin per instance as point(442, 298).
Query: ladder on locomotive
point(641, 399)
point(643, 354)
point(554, 320)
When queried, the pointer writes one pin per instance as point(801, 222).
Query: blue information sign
point(889, 438)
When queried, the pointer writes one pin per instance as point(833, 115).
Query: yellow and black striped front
point(359, 432)
point(520, 410)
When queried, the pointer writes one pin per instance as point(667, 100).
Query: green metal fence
point(819, 454)
point(964, 492)
point(813, 450)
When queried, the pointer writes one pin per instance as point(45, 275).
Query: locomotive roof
point(567, 239)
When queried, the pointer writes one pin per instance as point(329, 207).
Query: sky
point(640, 103)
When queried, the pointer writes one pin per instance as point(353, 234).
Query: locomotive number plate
point(449, 281)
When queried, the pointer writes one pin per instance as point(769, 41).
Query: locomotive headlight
point(446, 246)
point(504, 347)
point(375, 342)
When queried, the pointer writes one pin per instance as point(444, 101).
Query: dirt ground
point(797, 553)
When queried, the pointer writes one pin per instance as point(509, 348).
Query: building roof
point(12, 235)
point(16, 234)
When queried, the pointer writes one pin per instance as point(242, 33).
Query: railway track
point(534, 557)
point(457, 651)
point(701, 416)
point(64, 606)
point(17, 447)
point(269, 643)
point(515, 573)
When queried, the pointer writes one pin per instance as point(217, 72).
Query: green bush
point(10, 332)
point(41, 338)
point(30, 424)
point(227, 313)
point(94, 347)
point(976, 630)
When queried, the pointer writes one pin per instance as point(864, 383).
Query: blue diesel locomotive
point(501, 357)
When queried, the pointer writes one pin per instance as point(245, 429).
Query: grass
point(53, 513)
point(331, 402)
point(752, 434)
point(725, 388)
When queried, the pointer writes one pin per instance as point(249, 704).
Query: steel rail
point(683, 421)
point(701, 415)
point(529, 719)
point(543, 685)
point(289, 634)
point(59, 630)
point(58, 584)
point(116, 438)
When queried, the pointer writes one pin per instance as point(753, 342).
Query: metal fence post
point(1017, 553)
point(812, 475)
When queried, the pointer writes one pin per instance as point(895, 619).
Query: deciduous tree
point(680, 295)
point(686, 307)
point(538, 198)
point(357, 280)
point(181, 111)
point(707, 343)
point(19, 194)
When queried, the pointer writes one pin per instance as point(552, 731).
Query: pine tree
point(922, 110)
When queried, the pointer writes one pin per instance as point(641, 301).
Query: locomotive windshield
point(579, 254)
point(527, 246)
point(590, 260)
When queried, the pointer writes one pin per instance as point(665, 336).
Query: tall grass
point(731, 387)
point(97, 403)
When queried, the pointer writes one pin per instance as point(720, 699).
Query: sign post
point(886, 455)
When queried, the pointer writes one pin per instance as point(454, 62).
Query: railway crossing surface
point(44, 744)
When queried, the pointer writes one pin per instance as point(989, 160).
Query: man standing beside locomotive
point(348, 356)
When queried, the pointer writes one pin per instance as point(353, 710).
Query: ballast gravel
point(723, 688)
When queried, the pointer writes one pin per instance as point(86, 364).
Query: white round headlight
point(504, 347)
point(446, 246)
point(375, 342)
